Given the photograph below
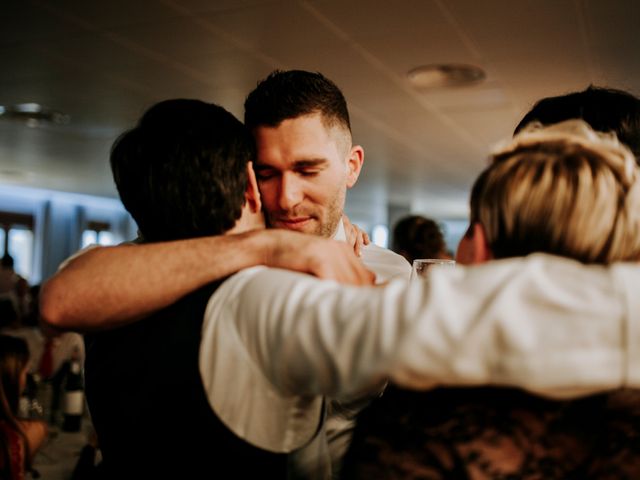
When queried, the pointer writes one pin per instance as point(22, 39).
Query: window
point(16, 237)
point(380, 235)
point(97, 233)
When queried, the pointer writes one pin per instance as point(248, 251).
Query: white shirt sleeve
point(549, 325)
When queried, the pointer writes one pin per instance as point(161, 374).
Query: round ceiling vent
point(445, 75)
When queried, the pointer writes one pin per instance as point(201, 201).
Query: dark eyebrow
point(297, 165)
point(312, 162)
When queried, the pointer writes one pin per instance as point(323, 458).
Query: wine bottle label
point(74, 403)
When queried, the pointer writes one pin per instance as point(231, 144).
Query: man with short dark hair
point(305, 163)
point(306, 160)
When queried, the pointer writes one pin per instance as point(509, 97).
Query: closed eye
point(310, 168)
point(265, 173)
point(307, 172)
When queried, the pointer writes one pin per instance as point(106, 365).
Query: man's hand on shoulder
point(324, 258)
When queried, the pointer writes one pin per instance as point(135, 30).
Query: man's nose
point(290, 191)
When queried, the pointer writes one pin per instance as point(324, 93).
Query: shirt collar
point(340, 234)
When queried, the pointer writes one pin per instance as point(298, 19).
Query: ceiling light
point(28, 108)
point(445, 75)
point(33, 114)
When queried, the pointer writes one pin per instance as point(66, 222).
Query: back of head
point(6, 261)
point(564, 190)
point(604, 109)
point(285, 95)
point(182, 171)
point(418, 237)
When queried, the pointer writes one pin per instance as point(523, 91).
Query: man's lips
point(297, 222)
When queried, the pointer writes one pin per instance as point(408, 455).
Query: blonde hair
point(563, 189)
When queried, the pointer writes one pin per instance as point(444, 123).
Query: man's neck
point(248, 221)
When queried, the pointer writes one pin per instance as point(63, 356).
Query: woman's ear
point(473, 247)
point(481, 247)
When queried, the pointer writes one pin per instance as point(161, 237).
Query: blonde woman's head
point(565, 190)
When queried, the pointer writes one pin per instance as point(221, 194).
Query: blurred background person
point(563, 190)
point(19, 438)
point(415, 236)
point(50, 352)
point(12, 290)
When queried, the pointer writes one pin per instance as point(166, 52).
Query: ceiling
point(104, 62)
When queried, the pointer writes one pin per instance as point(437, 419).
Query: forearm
point(525, 323)
point(110, 286)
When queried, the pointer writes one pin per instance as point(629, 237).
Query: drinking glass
point(421, 266)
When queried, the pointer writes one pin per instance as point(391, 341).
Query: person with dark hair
point(185, 205)
point(415, 236)
point(19, 438)
point(12, 286)
point(605, 109)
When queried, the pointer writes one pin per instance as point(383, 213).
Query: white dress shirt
point(384, 263)
point(323, 455)
point(275, 342)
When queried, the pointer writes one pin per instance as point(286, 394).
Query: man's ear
point(252, 194)
point(354, 165)
point(481, 250)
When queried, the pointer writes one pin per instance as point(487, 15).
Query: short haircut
point(604, 109)
point(285, 95)
point(565, 190)
point(182, 171)
point(415, 236)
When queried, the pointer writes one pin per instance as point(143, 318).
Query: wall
point(59, 220)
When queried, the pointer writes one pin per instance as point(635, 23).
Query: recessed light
point(33, 114)
point(445, 75)
point(28, 108)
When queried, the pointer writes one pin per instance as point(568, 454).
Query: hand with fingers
point(324, 258)
point(356, 237)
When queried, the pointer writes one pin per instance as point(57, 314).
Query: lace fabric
point(495, 433)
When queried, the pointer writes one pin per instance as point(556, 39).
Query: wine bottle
point(73, 396)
